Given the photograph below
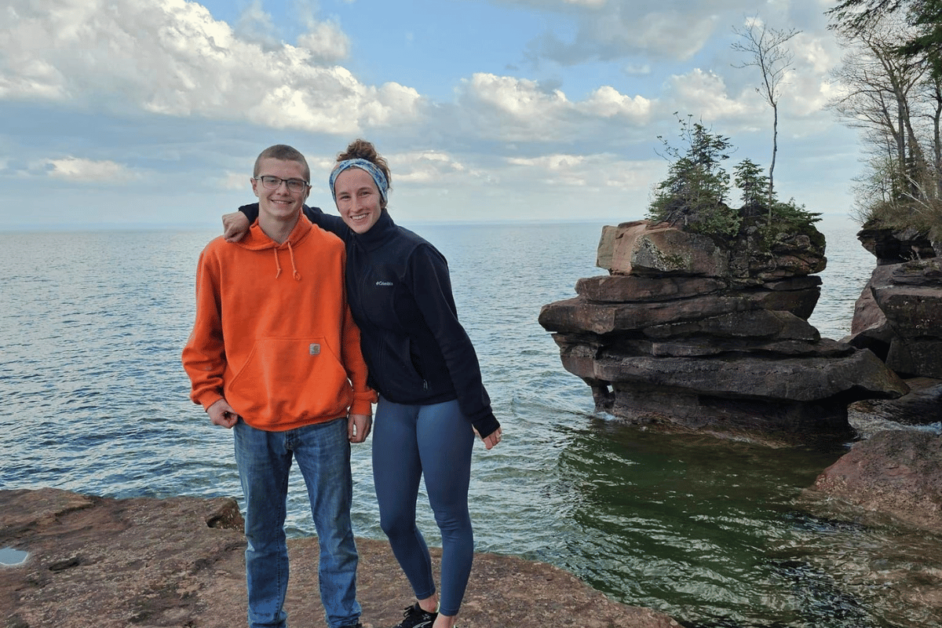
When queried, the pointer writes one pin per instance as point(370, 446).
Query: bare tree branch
point(766, 49)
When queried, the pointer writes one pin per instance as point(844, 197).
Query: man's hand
point(221, 413)
point(234, 226)
point(358, 427)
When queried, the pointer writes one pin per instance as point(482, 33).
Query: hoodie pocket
point(286, 380)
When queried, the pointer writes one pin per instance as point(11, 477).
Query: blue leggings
point(435, 440)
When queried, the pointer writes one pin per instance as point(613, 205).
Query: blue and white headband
point(363, 164)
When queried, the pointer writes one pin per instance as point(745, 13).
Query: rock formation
point(114, 563)
point(921, 406)
point(891, 481)
point(893, 246)
point(899, 313)
point(693, 333)
point(896, 473)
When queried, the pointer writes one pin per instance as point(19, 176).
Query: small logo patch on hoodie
point(384, 283)
point(314, 348)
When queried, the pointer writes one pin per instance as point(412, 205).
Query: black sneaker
point(356, 625)
point(415, 617)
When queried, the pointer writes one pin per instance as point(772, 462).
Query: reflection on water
point(710, 532)
point(703, 524)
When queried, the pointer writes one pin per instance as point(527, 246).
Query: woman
point(422, 363)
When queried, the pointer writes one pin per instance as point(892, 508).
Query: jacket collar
point(381, 233)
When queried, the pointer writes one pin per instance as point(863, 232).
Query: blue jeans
point(435, 440)
point(264, 461)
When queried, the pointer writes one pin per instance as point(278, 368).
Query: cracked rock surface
point(179, 562)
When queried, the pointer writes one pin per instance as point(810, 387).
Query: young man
point(275, 356)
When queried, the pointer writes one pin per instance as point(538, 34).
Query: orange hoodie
point(273, 332)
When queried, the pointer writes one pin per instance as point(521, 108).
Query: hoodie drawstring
point(294, 267)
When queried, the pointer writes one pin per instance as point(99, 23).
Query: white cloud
point(817, 54)
point(589, 171)
point(555, 185)
point(705, 95)
point(608, 103)
point(427, 166)
point(638, 69)
point(677, 34)
point(325, 41)
point(89, 171)
point(256, 25)
point(171, 57)
point(515, 109)
point(554, 170)
point(520, 98)
point(667, 29)
point(804, 90)
point(236, 181)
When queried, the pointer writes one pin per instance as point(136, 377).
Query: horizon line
point(177, 226)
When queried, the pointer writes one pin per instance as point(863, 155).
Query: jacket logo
point(314, 349)
point(384, 283)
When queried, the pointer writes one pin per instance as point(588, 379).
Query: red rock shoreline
point(179, 562)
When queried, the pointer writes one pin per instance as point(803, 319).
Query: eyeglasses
point(273, 183)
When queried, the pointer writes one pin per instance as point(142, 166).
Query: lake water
point(94, 400)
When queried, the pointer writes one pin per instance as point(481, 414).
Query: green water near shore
point(719, 534)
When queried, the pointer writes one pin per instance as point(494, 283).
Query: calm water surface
point(95, 401)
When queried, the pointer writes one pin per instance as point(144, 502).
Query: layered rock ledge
point(899, 313)
point(179, 562)
point(689, 333)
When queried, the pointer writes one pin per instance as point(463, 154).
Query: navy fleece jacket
point(399, 291)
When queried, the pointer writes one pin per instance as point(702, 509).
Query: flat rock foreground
point(179, 562)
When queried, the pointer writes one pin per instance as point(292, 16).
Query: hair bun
point(361, 149)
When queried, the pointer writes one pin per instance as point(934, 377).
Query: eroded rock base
point(776, 424)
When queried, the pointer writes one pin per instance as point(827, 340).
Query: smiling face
point(358, 199)
point(280, 204)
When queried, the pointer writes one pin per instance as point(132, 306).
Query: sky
point(150, 113)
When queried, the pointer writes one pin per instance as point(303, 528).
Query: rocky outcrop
point(889, 487)
point(899, 317)
point(921, 406)
point(896, 473)
point(114, 563)
point(689, 333)
point(893, 246)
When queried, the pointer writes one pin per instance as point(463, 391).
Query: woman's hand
point(234, 226)
point(492, 439)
